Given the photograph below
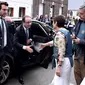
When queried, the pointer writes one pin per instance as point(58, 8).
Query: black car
point(42, 33)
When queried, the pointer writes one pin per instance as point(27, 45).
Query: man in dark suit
point(22, 39)
point(3, 33)
point(11, 29)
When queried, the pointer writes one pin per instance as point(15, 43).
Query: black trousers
point(19, 59)
point(19, 68)
point(2, 57)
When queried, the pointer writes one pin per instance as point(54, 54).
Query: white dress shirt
point(5, 31)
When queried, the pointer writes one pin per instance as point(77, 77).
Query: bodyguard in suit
point(3, 33)
point(22, 39)
point(11, 28)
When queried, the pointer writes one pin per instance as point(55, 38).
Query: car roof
point(33, 20)
point(20, 19)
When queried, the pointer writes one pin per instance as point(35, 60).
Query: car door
point(41, 34)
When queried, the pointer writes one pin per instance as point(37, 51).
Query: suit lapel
point(23, 32)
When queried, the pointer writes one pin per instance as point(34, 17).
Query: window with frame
point(10, 11)
point(21, 11)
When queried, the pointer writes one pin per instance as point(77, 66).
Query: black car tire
point(7, 66)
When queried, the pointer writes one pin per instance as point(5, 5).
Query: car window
point(37, 29)
point(47, 27)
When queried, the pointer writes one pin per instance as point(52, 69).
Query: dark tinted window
point(38, 30)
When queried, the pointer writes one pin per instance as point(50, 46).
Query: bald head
point(27, 21)
point(25, 17)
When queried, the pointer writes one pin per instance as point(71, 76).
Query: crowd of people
point(69, 21)
point(44, 18)
point(76, 27)
point(66, 38)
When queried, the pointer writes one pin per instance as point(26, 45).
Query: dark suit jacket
point(1, 36)
point(76, 31)
point(3, 50)
point(82, 41)
point(11, 30)
point(20, 40)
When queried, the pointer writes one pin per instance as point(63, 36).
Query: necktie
point(27, 33)
point(4, 33)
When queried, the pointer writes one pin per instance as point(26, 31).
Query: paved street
point(37, 76)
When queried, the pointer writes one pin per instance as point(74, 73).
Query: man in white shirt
point(3, 33)
point(22, 39)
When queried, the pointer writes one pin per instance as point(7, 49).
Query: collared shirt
point(24, 47)
point(26, 29)
point(60, 43)
point(5, 31)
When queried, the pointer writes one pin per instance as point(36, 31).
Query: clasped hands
point(43, 45)
point(28, 47)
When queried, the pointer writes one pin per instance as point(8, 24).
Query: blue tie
point(27, 34)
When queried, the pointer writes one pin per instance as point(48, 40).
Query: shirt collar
point(24, 27)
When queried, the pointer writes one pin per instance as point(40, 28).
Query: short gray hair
point(82, 6)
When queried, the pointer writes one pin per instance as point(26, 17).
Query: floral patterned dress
point(60, 43)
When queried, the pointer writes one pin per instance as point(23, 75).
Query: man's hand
point(29, 41)
point(30, 50)
point(73, 36)
point(76, 41)
point(58, 71)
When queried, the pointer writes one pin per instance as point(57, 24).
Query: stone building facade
point(19, 8)
point(50, 7)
